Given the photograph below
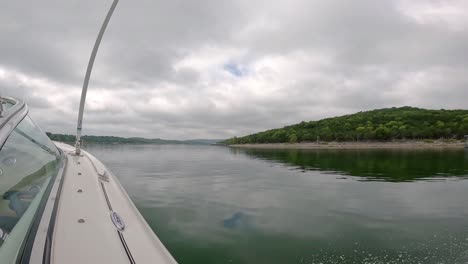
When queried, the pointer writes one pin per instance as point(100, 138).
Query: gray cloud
point(214, 69)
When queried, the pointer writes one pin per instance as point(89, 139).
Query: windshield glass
point(28, 160)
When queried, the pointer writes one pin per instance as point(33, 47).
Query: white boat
point(59, 207)
point(60, 204)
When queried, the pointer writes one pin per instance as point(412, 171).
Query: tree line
point(119, 140)
point(376, 125)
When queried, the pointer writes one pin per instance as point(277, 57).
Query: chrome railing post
point(87, 76)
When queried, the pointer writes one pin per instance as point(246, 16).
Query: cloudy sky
point(214, 69)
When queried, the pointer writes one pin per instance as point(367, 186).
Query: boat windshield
point(28, 161)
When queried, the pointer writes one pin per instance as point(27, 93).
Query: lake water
point(213, 204)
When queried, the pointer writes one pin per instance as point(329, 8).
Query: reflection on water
point(237, 221)
point(222, 205)
point(386, 165)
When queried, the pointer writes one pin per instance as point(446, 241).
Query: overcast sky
point(215, 69)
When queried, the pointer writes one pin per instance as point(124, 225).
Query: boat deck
point(85, 231)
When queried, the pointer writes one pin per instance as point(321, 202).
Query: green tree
point(293, 138)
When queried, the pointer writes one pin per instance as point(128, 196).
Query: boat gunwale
point(39, 242)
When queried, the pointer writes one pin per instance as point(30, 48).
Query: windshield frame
point(11, 117)
point(9, 120)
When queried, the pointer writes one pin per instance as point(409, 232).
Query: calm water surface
point(221, 205)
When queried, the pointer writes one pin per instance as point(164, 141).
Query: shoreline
point(356, 145)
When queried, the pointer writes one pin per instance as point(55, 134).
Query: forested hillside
point(382, 124)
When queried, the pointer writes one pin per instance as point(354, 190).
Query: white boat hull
point(84, 231)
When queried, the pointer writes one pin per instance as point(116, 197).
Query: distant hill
point(382, 124)
point(204, 141)
point(131, 140)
